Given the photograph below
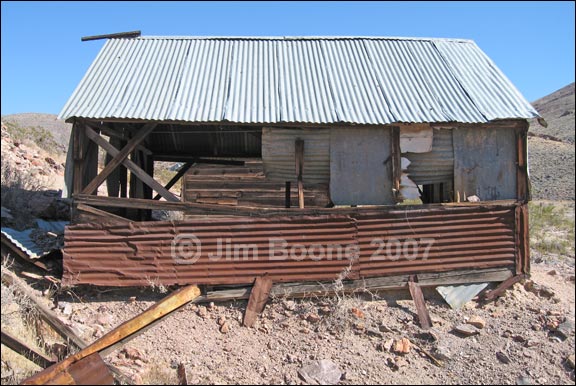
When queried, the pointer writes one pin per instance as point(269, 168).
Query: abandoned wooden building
point(306, 159)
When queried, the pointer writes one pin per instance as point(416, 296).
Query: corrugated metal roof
point(23, 241)
point(314, 80)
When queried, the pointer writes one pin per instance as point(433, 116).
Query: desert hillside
point(551, 149)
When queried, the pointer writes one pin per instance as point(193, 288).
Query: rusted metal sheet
point(432, 240)
point(232, 250)
point(359, 244)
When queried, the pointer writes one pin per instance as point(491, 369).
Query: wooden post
point(396, 161)
point(299, 150)
point(287, 197)
point(522, 181)
point(418, 297)
point(258, 298)
point(78, 156)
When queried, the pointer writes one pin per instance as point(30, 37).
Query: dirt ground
point(520, 343)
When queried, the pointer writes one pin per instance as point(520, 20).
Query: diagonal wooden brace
point(145, 177)
point(119, 157)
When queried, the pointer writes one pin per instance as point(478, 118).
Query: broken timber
point(418, 297)
point(63, 370)
point(258, 298)
point(52, 319)
point(26, 351)
point(498, 291)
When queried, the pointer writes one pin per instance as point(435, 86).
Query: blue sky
point(43, 58)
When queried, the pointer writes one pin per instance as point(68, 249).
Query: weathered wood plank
point(119, 157)
point(258, 297)
point(498, 291)
point(26, 351)
point(299, 156)
point(418, 298)
point(134, 168)
point(69, 335)
point(157, 311)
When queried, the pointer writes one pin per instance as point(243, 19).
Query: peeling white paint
point(408, 189)
point(416, 139)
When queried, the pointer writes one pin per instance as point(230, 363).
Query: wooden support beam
point(196, 160)
point(119, 157)
point(175, 179)
point(26, 351)
point(299, 155)
point(418, 297)
point(395, 153)
point(258, 298)
point(167, 305)
point(498, 291)
point(287, 198)
point(141, 174)
point(78, 139)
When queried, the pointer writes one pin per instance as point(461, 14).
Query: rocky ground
point(524, 337)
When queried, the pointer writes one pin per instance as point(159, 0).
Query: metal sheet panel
point(278, 154)
point(157, 252)
point(414, 241)
point(432, 239)
point(435, 166)
point(492, 92)
point(321, 80)
point(360, 166)
point(485, 163)
point(27, 244)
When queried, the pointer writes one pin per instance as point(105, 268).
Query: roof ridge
point(160, 37)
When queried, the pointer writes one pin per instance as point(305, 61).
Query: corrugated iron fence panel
point(157, 252)
point(292, 249)
point(414, 241)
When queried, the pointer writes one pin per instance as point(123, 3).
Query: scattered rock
point(225, 328)
point(313, 318)
point(66, 308)
point(566, 329)
point(211, 306)
point(322, 372)
point(402, 346)
point(133, 354)
point(221, 321)
point(552, 272)
point(466, 330)
point(359, 326)
point(373, 332)
point(477, 322)
point(503, 357)
point(524, 380)
point(385, 346)
point(570, 361)
point(132, 299)
point(442, 352)
point(538, 289)
point(104, 320)
point(357, 312)
point(325, 310)
point(202, 312)
point(384, 328)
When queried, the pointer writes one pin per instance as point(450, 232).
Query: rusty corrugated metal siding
point(141, 253)
point(465, 237)
point(456, 238)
